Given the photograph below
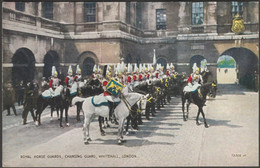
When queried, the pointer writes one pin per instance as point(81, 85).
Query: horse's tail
point(77, 99)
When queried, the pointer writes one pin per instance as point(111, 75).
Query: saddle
point(100, 100)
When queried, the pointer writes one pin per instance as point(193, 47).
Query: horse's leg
point(153, 109)
point(120, 131)
point(127, 125)
point(86, 125)
point(197, 118)
point(61, 116)
point(147, 112)
point(78, 111)
point(100, 125)
point(66, 115)
point(52, 108)
point(187, 106)
point(205, 122)
point(107, 122)
point(183, 107)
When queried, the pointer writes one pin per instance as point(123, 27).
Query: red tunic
point(105, 83)
point(129, 79)
point(50, 83)
point(140, 77)
point(147, 76)
point(189, 79)
point(167, 73)
point(157, 75)
point(134, 77)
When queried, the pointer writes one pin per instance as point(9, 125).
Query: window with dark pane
point(90, 11)
point(127, 14)
point(237, 8)
point(138, 15)
point(197, 13)
point(160, 19)
point(20, 6)
point(47, 10)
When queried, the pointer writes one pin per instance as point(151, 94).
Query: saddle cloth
point(49, 93)
point(101, 100)
point(193, 88)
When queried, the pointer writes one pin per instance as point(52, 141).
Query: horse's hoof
point(89, 139)
point(51, 119)
point(67, 124)
point(184, 119)
point(86, 143)
point(37, 123)
point(104, 126)
point(206, 126)
point(198, 123)
point(61, 126)
point(127, 133)
point(108, 126)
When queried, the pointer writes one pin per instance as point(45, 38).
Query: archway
point(86, 62)
point(226, 70)
point(23, 66)
point(162, 61)
point(50, 59)
point(196, 59)
point(88, 65)
point(246, 63)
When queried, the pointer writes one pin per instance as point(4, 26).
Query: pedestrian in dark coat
point(29, 103)
point(9, 98)
point(20, 93)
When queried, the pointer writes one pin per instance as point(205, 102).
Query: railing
point(50, 24)
point(17, 16)
point(79, 28)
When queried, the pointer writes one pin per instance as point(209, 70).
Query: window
point(160, 19)
point(90, 11)
point(237, 7)
point(47, 10)
point(127, 10)
point(20, 6)
point(197, 13)
point(138, 15)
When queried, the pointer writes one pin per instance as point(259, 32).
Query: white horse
point(121, 112)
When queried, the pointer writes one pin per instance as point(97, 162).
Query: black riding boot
point(111, 109)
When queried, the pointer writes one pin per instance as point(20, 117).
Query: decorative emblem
point(114, 87)
point(238, 24)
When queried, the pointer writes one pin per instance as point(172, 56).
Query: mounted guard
point(54, 85)
point(69, 82)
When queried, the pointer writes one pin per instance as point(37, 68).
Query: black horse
point(198, 98)
point(205, 75)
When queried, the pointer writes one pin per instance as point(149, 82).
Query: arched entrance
point(23, 65)
point(86, 62)
point(196, 59)
point(50, 59)
point(88, 65)
point(162, 61)
point(226, 70)
point(246, 64)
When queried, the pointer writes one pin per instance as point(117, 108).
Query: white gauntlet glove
point(189, 84)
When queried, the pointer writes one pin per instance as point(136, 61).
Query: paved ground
point(165, 140)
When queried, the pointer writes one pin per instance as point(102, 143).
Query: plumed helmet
point(70, 70)
point(78, 70)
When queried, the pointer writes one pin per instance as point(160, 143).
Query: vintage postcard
point(130, 83)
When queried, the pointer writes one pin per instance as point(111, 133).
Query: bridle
point(128, 105)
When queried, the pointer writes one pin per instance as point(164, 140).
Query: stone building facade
point(38, 35)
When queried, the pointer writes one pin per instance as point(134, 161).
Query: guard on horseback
point(69, 80)
point(54, 81)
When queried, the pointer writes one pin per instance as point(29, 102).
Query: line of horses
point(143, 99)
